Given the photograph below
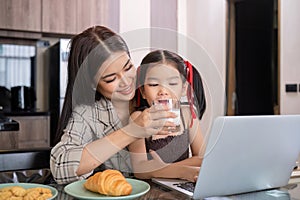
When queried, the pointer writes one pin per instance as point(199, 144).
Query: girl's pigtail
point(195, 93)
point(190, 96)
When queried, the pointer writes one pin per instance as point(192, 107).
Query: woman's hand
point(149, 166)
point(151, 121)
point(156, 159)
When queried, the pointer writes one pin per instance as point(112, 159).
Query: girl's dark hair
point(168, 57)
point(88, 51)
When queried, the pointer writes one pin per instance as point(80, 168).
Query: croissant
point(109, 182)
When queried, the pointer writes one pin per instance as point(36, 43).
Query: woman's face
point(116, 77)
point(162, 81)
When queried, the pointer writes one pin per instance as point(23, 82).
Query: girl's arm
point(145, 169)
point(197, 145)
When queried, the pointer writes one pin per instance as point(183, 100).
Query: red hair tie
point(190, 96)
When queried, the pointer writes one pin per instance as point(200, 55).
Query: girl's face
point(162, 81)
point(116, 78)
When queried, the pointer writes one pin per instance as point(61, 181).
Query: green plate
point(31, 185)
point(77, 190)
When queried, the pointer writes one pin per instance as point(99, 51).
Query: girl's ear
point(184, 89)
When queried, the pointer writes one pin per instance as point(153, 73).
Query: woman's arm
point(78, 153)
point(110, 145)
point(93, 156)
point(72, 159)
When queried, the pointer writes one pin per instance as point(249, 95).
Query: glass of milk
point(174, 106)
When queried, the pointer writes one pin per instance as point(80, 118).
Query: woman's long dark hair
point(168, 57)
point(88, 51)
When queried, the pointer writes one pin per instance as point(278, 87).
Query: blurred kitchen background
point(253, 44)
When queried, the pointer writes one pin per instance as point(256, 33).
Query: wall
point(197, 22)
point(204, 22)
point(144, 27)
point(134, 19)
point(289, 28)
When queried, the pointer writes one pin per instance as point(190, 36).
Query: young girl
point(164, 75)
point(94, 128)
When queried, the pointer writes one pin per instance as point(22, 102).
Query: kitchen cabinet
point(34, 131)
point(67, 17)
point(9, 140)
point(74, 16)
point(91, 12)
point(98, 12)
point(59, 16)
point(21, 15)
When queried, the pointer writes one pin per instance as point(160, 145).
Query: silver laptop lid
point(249, 153)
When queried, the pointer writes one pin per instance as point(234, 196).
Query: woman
point(94, 128)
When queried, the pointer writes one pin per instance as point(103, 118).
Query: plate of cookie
point(27, 191)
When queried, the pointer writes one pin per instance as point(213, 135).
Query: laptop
point(245, 154)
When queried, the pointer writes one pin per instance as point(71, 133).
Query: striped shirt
point(87, 124)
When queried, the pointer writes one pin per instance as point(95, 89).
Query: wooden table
point(290, 192)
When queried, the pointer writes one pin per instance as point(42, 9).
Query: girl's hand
point(191, 173)
point(151, 121)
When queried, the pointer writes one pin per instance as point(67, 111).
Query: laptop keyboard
point(189, 186)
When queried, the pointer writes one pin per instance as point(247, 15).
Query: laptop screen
point(249, 153)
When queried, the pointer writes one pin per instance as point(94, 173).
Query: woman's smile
point(126, 90)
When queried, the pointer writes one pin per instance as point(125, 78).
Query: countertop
point(289, 192)
point(27, 113)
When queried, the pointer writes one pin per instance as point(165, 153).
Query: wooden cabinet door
point(9, 140)
point(90, 13)
point(34, 131)
point(21, 15)
point(97, 12)
point(59, 16)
